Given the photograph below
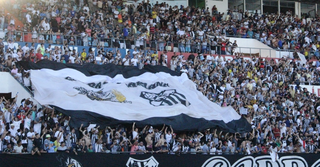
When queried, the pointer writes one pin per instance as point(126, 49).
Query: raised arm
point(253, 132)
point(44, 131)
point(144, 129)
point(52, 112)
point(133, 125)
point(29, 109)
point(111, 132)
point(163, 127)
point(130, 144)
point(220, 134)
point(227, 135)
point(4, 134)
point(15, 99)
point(171, 129)
point(80, 129)
point(235, 136)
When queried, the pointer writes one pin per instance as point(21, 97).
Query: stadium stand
point(277, 96)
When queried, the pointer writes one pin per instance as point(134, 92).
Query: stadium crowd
point(159, 26)
point(266, 92)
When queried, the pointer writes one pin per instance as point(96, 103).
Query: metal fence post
point(270, 53)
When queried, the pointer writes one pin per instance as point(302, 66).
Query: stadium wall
point(10, 84)
point(253, 46)
point(222, 5)
point(311, 88)
point(155, 160)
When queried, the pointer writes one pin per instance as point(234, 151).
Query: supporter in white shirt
point(10, 45)
point(59, 133)
point(28, 18)
point(134, 61)
point(46, 26)
point(135, 51)
point(18, 148)
point(126, 61)
point(181, 32)
point(86, 9)
point(27, 121)
point(115, 13)
point(13, 130)
point(25, 48)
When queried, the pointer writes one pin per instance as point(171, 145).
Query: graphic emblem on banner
point(150, 162)
point(67, 161)
point(165, 98)
point(112, 95)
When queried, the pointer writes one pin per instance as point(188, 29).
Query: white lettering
point(265, 161)
point(294, 161)
point(216, 162)
point(247, 161)
point(260, 161)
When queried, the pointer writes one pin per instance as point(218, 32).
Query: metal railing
point(189, 46)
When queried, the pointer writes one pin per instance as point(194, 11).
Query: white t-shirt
point(126, 61)
point(116, 14)
point(25, 49)
point(134, 134)
point(13, 132)
point(57, 135)
point(168, 137)
point(200, 33)
point(18, 149)
point(46, 26)
point(134, 61)
point(71, 58)
point(26, 81)
point(30, 134)
point(28, 17)
point(135, 52)
point(7, 116)
point(16, 124)
point(27, 123)
point(86, 8)
point(37, 127)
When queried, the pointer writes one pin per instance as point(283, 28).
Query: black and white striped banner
point(150, 97)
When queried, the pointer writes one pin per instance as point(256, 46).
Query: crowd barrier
point(155, 160)
point(174, 46)
point(79, 49)
point(122, 51)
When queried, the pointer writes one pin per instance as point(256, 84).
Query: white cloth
point(127, 96)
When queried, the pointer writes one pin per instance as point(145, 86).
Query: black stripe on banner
point(180, 122)
point(90, 69)
point(168, 102)
point(182, 101)
point(172, 99)
point(181, 95)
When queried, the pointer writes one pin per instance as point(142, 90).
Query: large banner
point(157, 160)
point(154, 98)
